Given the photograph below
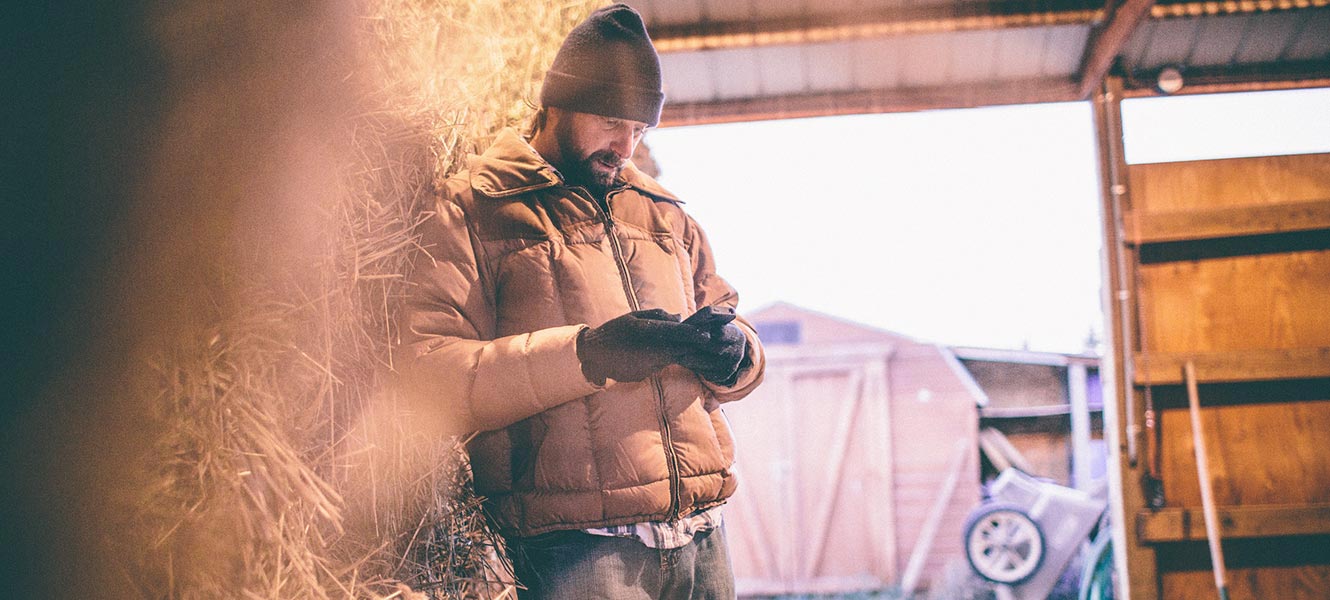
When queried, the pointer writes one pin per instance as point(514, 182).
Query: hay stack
point(297, 155)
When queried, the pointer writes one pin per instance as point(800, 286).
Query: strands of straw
point(286, 466)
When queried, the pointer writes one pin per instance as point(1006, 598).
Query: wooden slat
point(1187, 524)
point(1228, 221)
point(1262, 453)
point(1276, 301)
point(1162, 368)
point(1229, 182)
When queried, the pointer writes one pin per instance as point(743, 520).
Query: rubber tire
point(979, 517)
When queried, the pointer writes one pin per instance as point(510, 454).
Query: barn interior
point(148, 128)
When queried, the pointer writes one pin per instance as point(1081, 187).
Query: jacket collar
point(642, 182)
point(511, 166)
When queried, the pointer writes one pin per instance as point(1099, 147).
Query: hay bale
point(297, 158)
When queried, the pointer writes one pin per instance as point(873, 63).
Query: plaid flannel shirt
point(665, 535)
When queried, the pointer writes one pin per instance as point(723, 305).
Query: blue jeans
point(575, 565)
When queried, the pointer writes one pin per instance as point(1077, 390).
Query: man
point(545, 315)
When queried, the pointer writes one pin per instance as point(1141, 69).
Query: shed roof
point(733, 60)
point(822, 328)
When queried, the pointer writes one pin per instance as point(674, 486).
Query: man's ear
point(543, 138)
point(553, 114)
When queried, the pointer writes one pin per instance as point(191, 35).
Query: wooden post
point(1136, 565)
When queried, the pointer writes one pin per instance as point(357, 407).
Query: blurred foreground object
point(243, 183)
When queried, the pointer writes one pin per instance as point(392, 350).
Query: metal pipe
point(1113, 165)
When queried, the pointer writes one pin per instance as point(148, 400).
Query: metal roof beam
point(1113, 25)
point(1106, 42)
point(870, 101)
point(1239, 78)
point(967, 16)
point(1205, 8)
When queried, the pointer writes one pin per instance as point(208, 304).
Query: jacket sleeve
point(449, 363)
point(711, 289)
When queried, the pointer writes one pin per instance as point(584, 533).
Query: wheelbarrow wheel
point(1003, 544)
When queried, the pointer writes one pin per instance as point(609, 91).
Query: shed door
point(814, 508)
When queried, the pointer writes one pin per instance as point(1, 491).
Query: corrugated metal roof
point(751, 59)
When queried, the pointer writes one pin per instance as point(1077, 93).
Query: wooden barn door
point(1224, 263)
point(814, 509)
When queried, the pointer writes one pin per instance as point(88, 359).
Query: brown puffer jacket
point(516, 265)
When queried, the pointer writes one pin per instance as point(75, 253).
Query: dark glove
point(632, 347)
point(719, 359)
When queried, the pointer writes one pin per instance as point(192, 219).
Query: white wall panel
point(688, 77)
point(782, 70)
point(830, 67)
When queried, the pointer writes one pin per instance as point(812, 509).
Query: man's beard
point(581, 172)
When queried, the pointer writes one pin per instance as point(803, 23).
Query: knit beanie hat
point(607, 66)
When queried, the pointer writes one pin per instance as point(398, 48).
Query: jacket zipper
point(672, 458)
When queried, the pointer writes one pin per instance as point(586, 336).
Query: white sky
point(968, 227)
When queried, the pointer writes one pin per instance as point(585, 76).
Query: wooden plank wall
point(924, 429)
point(1231, 260)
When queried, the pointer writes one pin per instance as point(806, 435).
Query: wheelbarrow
point(1023, 536)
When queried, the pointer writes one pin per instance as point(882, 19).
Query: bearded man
point(545, 316)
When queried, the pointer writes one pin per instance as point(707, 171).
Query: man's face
point(593, 149)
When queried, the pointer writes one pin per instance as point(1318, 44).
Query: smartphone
point(710, 316)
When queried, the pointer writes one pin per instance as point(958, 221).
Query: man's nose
point(622, 144)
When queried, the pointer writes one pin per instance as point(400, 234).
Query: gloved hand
point(718, 360)
point(633, 346)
